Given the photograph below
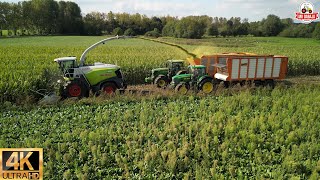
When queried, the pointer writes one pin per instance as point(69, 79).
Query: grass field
point(237, 133)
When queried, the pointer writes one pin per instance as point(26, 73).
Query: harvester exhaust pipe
point(83, 56)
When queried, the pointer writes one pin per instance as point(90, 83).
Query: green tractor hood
point(181, 78)
point(164, 70)
point(155, 73)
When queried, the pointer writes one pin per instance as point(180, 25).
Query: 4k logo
point(18, 163)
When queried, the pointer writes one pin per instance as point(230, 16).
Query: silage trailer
point(244, 67)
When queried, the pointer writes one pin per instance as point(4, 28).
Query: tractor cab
point(161, 77)
point(174, 66)
point(197, 71)
point(195, 78)
point(66, 65)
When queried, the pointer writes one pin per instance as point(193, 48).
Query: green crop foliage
point(258, 134)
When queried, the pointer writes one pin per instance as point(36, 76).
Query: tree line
point(60, 17)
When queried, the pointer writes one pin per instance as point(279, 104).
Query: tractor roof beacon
point(81, 78)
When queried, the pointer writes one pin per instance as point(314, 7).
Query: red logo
point(306, 13)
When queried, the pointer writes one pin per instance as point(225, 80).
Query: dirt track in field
point(303, 80)
point(289, 82)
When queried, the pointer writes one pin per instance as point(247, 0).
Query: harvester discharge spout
point(83, 56)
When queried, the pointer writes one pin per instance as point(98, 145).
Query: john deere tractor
point(80, 79)
point(196, 79)
point(161, 77)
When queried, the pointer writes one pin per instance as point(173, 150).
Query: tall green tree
point(189, 27)
point(26, 23)
point(94, 23)
point(212, 30)
point(272, 26)
point(255, 28)
point(169, 28)
point(316, 32)
point(45, 15)
point(70, 19)
point(4, 11)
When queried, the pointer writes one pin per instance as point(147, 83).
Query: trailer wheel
point(257, 83)
point(270, 84)
point(226, 84)
point(161, 81)
point(206, 86)
point(182, 88)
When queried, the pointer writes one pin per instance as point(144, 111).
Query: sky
point(254, 10)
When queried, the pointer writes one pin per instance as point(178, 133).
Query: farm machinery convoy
point(201, 75)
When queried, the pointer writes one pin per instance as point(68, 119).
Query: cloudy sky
point(251, 9)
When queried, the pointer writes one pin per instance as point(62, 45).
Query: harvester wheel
point(75, 89)
point(304, 10)
point(182, 88)
point(310, 11)
point(108, 88)
point(206, 86)
point(161, 81)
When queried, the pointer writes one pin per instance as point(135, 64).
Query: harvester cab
point(196, 78)
point(161, 77)
point(66, 65)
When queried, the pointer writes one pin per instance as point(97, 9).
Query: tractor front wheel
point(206, 86)
point(108, 88)
point(161, 81)
point(182, 88)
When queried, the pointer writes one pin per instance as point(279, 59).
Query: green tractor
point(80, 79)
point(196, 78)
point(161, 77)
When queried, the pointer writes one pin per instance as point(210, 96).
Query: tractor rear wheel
point(161, 81)
point(75, 89)
point(206, 86)
point(108, 88)
point(182, 88)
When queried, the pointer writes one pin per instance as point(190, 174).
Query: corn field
point(244, 133)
